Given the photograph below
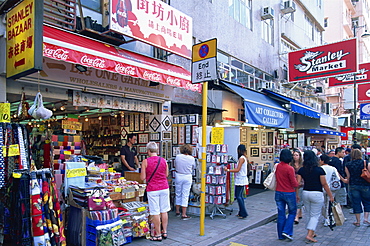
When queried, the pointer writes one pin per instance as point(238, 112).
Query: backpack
point(334, 184)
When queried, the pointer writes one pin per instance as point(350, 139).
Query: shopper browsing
point(155, 171)
point(241, 179)
point(285, 195)
point(313, 197)
point(184, 164)
point(129, 155)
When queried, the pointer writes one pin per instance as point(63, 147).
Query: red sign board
point(363, 93)
point(361, 77)
point(323, 61)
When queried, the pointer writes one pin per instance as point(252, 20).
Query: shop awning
point(74, 48)
point(295, 106)
point(328, 132)
point(260, 109)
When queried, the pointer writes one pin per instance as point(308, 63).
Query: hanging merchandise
point(22, 112)
point(37, 110)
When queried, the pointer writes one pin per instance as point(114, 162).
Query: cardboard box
point(133, 176)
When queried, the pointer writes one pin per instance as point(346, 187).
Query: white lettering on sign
point(271, 115)
point(97, 62)
point(349, 77)
point(152, 76)
point(59, 54)
point(311, 64)
point(125, 70)
point(173, 81)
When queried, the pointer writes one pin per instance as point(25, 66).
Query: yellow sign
point(217, 136)
point(141, 209)
point(204, 50)
point(17, 175)
point(4, 112)
point(23, 39)
point(13, 150)
point(71, 125)
point(78, 172)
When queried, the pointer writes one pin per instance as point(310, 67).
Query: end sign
point(204, 61)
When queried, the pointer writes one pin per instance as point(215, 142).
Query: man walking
point(336, 161)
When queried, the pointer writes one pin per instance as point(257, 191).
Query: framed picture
point(169, 150)
point(192, 119)
point(141, 149)
point(106, 121)
point(263, 150)
point(254, 138)
point(280, 136)
point(255, 152)
point(188, 134)
point(264, 157)
point(137, 122)
point(155, 136)
point(243, 135)
point(142, 122)
point(184, 119)
point(176, 119)
point(270, 138)
point(113, 121)
point(143, 138)
point(263, 142)
point(166, 123)
point(126, 120)
point(270, 157)
point(166, 135)
point(154, 124)
point(175, 151)
point(132, 123)
point(181, 134)
point(174, 134)
point(194, 138)
point(270, 150)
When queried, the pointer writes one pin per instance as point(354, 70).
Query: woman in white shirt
point(184, 164)
point(241, 180)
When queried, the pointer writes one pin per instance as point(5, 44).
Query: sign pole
point(204, 164)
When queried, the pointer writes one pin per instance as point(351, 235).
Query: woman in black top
point(313, 197)
point(359, 188)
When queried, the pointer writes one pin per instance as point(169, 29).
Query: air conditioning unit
point(267, 13)
point(288, 6)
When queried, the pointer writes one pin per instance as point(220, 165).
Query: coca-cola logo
point(173, 81)
point(96, 62)
point(59, 54)
point(192, 87)
point(125, 70)
point(152, 76)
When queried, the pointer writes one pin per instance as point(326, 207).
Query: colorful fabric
point(2, 163)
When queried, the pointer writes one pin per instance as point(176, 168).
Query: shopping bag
point(331, 218)
point(338, 214)
point(270, 181)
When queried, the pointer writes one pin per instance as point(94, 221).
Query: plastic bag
point(38, 111)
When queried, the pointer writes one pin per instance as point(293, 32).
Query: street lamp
point(364, 35)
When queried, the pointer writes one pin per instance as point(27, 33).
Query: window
point(92, 4)
point(241, 11)
point(308, 27)
point(268, 30)
point(326, 22)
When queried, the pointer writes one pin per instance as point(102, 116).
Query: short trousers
point(159, 201)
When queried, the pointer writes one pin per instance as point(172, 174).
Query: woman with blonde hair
point(154, 170)
point(184, 164)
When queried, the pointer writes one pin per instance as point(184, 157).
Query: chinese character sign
point(154, 22)
point(323, 61)
point(21, 27)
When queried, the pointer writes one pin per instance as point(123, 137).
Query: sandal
point(357, 224)
point(156, 238)
point(177, 214)
point(164, 235)
point(367, 223)
point(185, 217)
point(296, 222)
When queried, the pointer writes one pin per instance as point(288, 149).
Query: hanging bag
point(338, 214)
point(365, 173)
point(145, 197)
point(38, 111)
point(270, 181)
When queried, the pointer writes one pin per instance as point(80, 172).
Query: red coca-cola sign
point(362, 76)
point(57, 53)
point(323, 61)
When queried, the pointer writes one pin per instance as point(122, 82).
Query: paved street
point(344, 235)
point(259, 229)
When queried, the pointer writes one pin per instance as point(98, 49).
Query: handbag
point(96, 202)
point(331, 216)
point(365, 173)
point(338, 214)
point(145, 197)
point(270, 181)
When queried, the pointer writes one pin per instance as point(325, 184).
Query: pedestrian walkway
point(261, 208)
point(266, 235)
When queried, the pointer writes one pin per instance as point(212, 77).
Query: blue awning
point(328, 132)
point(260, 109)
point(296, 106)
